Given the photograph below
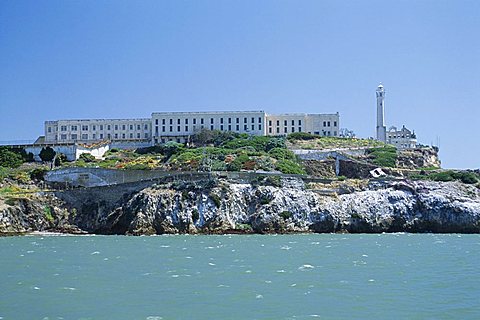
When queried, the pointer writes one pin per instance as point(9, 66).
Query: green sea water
point(325, 276)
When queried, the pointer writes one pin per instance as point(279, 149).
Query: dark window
point(245, 127)
point(244, 120)
point(131, 127)
point(328, 123)
point(201, 121)
point(253, 120)
point(299, 129)
point(178, 128)
point(293, 129)
point(278, 122)
point(171, 121)
point(178, 121)
point(163, 121)
point(259, 119)
point(293, 122)
point(269, 122)
point(171, 128)
point(278, 130)
point(229, 127)
point(186, 128)
point(324, 123)
point(270, 130)
point(156, 129)
point(156, 121)
point(253, 127)
point(299, 122)
point(238, 127)
point(123, 127)
point(334, 123)
point(221, 127)
point(285, 130)
point(211, 121)
point(194, 121)
point(259, 127)
point(238, 121)
point(229, 120)
point(186, 121)
point(163, 128)
point(285, 123)
point(221, 120)
point(211, 127)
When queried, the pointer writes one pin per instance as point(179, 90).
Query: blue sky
point(122, 59)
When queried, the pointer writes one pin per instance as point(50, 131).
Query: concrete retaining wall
point(95, 177)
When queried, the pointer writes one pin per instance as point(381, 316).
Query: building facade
point(179, 126)
point(402, 139)
point(94, 130)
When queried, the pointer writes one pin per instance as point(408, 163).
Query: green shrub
point(216, 200)
point(286, 215)
point(355, 216)
point(301, 136)
point(195, 215)
point(60, 159)
point(87, 157)
point(9, 158)
point(289, 167)
point(47, 212)
point(244, 227)
point(282, 154)
point(38, 173)
point(466, 177)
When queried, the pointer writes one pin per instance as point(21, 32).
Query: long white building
point(179, 126)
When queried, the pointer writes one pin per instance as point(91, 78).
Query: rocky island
point(258, 189)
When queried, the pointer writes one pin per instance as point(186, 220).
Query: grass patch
point(47, 212)
point(384, 157)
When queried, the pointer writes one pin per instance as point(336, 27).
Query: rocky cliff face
point(223, 206)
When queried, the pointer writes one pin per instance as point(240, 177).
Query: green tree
point(47, 154)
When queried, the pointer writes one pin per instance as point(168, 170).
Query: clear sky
point(121, 59)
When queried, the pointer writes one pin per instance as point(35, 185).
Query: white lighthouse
point(381, 128)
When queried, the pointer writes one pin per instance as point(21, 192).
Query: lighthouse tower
point(381, 128)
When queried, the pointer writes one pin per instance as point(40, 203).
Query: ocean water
point(325, 276)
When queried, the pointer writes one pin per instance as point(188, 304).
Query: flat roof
point(207, 112)
point(82, 120)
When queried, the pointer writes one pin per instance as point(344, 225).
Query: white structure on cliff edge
point(381, 128)
point(401, 139)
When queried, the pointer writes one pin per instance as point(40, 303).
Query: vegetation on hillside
point(383, 157)
point(210, 150)
point(303, 140)
point(467, 177)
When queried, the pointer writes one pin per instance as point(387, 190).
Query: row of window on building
point(101, 127)
point(212, 127)
point(202, 121)
point(101, 136)
point(285, 123)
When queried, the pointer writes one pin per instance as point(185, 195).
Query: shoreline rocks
point(225, 207)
